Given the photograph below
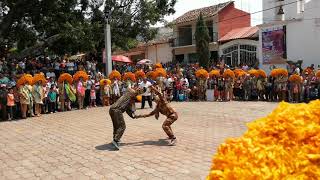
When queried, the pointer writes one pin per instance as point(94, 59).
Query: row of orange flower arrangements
point(159, 71)
point(27, 78)
point(202, 73)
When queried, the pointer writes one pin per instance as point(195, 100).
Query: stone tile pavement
point(75, 145)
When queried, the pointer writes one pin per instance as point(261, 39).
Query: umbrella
point(121, 58)
point(145, 61)
point(75, 57)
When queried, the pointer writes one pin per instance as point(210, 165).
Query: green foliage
point(79, 24)
point(202, 42)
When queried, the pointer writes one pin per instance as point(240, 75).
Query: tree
point(202, 42)
point(79, 24)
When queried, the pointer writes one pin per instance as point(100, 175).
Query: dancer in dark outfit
point(125, 103)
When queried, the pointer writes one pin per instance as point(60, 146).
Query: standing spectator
point(57, 68)
point(51, 74)
point(10, 104)
point(17, 114)
point(38, 95)
point(94, 67)
point(89, 84)
point(3, 101)
point(80, 93)
point(147, 95)
point(52, 97)
point(93, 97)
point(25, 99)
point(106, 94)
point(70, 67)
point(220, 84)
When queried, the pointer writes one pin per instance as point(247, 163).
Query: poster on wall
point(273, 45)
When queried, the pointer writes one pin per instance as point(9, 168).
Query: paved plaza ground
point(75, 145)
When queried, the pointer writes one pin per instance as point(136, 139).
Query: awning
point(241, 33)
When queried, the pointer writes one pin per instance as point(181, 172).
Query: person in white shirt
point(147, 95)
point(70, 67)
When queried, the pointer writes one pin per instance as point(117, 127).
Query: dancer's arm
point(131, 113)
point(154, 112)
point(157, 92)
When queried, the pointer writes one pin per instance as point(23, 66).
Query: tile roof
point(206, 12)
point(241, 33)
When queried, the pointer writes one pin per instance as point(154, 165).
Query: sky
point(183, 6)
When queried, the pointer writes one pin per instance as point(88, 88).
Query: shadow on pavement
point(106, 147)
point(160, 142)
point(110, 147)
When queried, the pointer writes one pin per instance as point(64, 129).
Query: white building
point(297, 23)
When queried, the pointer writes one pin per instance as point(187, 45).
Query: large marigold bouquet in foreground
point(283, 145)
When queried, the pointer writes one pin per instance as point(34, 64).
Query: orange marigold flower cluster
point(318, 74)
point(104, 82)
point(139, 98)
point(158, 65)
point(295, 78)
point(140, 74)
point(129, 76)
point(214, 73)
point(279, 72)
point(262, 73)
point(239, 72)
point(26, 78)
point(151, 75)
point(160, 72)
point(202, 73)
point(115, 75)
point(228, 74)
point(253, 72)
point(283, 145)
point(80, 74)
point(308, 70)
point(39, 77)
point(65, 77)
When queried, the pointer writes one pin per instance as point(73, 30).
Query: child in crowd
point(52, 96)
point(93, 97)
point(10, 104)
point(106, 95)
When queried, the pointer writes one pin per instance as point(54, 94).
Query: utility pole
point(107, 41)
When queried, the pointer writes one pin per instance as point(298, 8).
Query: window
point(185, 35)
point(248, 55)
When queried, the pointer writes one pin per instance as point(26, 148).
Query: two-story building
point(220, 19)
point(290, 32)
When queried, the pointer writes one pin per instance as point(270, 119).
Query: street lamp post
point(107, 44)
